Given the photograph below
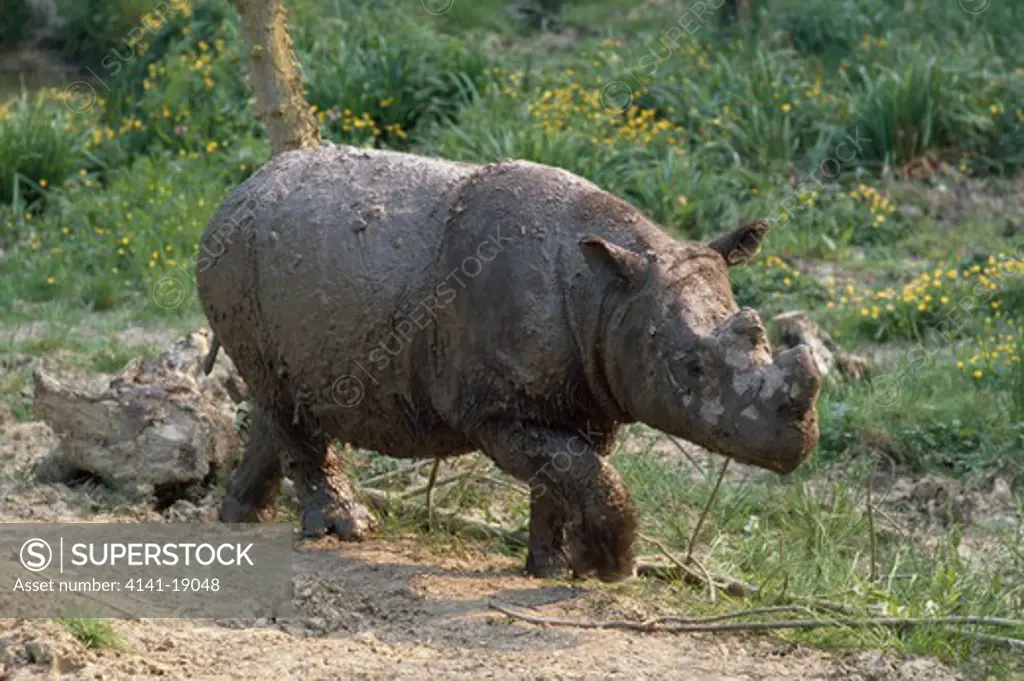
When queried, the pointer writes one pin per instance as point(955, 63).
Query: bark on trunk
point(276, 77)
point(735, 10)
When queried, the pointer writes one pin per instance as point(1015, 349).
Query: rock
point(926, 669)
point(160, 425)
point(1002, 491)
point(927, 490)
point(37, 652)
point(953, 510)
point(910, 211)
point(288, 492)
point(203, 510)
point(797, 328)
point(47, 655)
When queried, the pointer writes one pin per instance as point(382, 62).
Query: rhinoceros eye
point(689, 364)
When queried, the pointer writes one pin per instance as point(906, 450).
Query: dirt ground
point(384, 610)
point(388, 609)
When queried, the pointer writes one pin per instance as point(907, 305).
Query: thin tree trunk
point(733, 11)
point(276, 77)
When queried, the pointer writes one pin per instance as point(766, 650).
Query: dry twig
point(689, 457)
point(704, 513)
point(704, 575)
point(873, 572)
point(434, 482)
point(430, 493)
point(384, 477)
point(495, 480)
point(1002, 641)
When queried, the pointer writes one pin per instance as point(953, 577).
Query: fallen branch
point(676, 619)
point(477, 529)
point(383, 477)
point(1003, 641)
point(432, 483)
point(729, 585)
point(658, 626)
point(725, 583)
point(704, 575)
point(494, 480)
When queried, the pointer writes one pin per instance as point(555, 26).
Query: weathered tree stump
point(797, 327)
point(161, 426)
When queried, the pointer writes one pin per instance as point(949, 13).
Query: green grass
point(923, 413)
point(93, 633)
point(809, 538)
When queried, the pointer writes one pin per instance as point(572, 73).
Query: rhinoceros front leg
point(546, 555)
point(571, 485)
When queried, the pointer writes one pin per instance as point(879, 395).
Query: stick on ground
point(658, 626)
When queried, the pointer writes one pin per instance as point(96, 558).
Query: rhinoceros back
point(305, 265)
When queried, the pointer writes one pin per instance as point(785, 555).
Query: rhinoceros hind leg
point(254, 483)
point(327, 499)
point(327, 502)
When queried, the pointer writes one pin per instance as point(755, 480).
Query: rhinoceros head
point(680, 355)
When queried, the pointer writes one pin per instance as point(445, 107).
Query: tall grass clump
point(92, 632)
point(922, 104)
point(828, 30)
point(376, 78)
point(41, 144)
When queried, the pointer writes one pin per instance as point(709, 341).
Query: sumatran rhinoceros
point(424, 308)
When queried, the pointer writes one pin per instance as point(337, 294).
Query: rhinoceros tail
point(211, 357)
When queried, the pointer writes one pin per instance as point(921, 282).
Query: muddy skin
point(423, 308)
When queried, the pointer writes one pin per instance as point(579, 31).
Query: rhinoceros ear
point(740, 245)
point(607, 259)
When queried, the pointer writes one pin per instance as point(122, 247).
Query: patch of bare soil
point(390, 610)
point(386, 609)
